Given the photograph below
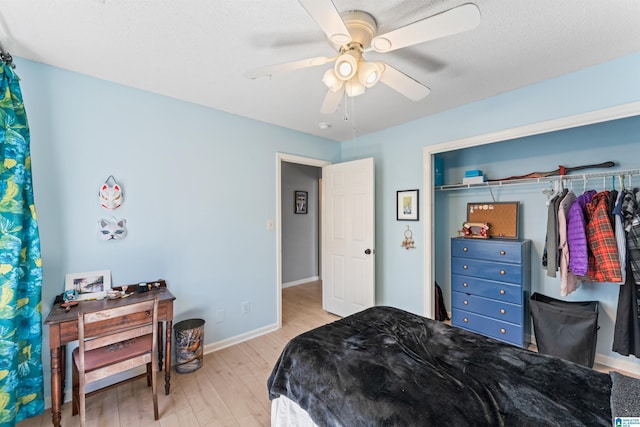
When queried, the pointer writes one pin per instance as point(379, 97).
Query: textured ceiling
point(198, 50)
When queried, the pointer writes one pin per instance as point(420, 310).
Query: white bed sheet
point(286, 413)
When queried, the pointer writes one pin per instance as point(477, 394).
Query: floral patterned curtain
point(21, 380)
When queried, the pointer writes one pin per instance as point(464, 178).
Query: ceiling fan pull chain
point(346, 112)
point(353, 122)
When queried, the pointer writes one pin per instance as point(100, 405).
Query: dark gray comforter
point(387, 367)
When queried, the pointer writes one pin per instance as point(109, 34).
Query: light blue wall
point(200, 184)
point(199, 187)
point(398, 156)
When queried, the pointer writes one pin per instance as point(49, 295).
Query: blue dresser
point(490, 286)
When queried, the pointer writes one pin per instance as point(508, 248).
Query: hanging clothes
point(568, 281)
point(621, 235)
point(21, 380)
point(626, 332)
point(630, 211)
point(577, 236)
point(553, 238)
point(613, 198)
point(604, 263)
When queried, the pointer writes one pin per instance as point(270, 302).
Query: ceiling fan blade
point(326, 15)
point(404, 84)
point(452, 21)
point(270, 70)
point(332, 101)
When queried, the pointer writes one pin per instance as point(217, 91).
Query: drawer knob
point(503, 311)
point(465, 249)
point(465, 320)
point(465, 267)
point(465, 285)
point(502, 252)
point(503, 331)
point(502, 292)
point(502, 272)
point(465, 302)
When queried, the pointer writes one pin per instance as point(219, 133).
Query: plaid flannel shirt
point(604, 263)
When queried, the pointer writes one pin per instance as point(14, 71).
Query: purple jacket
point(577, 236)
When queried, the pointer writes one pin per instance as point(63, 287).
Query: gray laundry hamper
point(565, 329)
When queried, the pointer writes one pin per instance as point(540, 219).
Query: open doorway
point(300, 219)
point(298, 222)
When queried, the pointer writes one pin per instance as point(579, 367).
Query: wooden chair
point(99, 356)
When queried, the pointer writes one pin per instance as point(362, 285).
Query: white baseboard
point(219, 345)
point(300, 282)
point(628, 365)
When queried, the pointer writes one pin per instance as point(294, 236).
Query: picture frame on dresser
point(89, 285)
point(407, 205)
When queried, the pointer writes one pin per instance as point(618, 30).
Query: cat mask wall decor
point(110, 195)
point(112, 230)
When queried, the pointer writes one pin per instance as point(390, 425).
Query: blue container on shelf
point(438, 171)
point(472, 173)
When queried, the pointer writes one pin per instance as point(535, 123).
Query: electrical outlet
point(246, 307)
point(269, 224)
point(219, 316)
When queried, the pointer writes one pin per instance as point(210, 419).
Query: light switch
point(269, 224)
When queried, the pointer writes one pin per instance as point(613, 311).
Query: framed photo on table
point(407, 205)
point(89, 285)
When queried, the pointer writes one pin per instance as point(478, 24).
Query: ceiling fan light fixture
point(346, 67)
point(331, 80)
point(353, 87)
point(368, 73)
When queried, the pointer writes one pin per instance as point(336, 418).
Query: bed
point(387, 367)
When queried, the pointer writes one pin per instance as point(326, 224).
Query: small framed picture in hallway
point(300, 200)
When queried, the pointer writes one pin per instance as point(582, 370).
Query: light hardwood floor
point(229, 390)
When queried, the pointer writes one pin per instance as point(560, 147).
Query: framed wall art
point(90, 285)
point(300, 200)
point(407, 205)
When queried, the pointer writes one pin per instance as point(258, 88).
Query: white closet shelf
point(530, 181)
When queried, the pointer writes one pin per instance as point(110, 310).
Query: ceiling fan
point(354, 33)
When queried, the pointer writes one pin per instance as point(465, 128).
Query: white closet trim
point(592, 117)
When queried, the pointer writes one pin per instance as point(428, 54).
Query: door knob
point(368, 251)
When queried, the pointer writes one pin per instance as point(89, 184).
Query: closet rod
point(530, 181)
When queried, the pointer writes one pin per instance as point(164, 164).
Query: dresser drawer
point(488, 307)
point(503, 331)
point(501, 272)
point(486, 288)
point(490, 250)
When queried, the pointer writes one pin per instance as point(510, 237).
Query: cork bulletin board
point(502, 217)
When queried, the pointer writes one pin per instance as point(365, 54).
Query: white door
point(348, 256)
